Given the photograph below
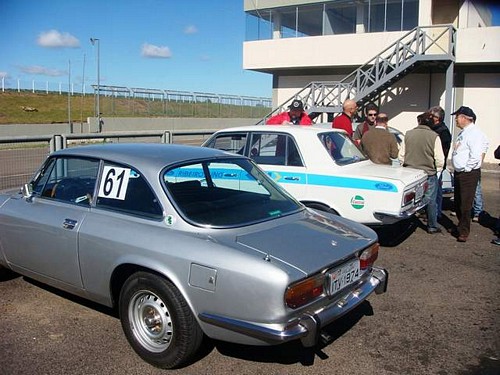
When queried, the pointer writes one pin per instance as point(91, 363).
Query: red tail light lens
point(368, 256)
point(408, 198)
point(304, 291)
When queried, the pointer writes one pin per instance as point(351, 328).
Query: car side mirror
point(27, 191)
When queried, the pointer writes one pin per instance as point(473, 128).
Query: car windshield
point(341, 148)
point(226, 193)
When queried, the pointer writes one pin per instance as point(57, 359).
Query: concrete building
point(313, 49)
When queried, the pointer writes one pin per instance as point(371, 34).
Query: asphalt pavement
point(440, 315)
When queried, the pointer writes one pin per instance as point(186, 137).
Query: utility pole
point(98, 108)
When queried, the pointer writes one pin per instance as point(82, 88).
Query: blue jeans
point(477, 206)
point(439, 196)
point(430, 199)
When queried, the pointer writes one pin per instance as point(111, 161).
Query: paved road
point(441, 315)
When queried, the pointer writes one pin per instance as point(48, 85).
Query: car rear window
point(223, 193)
point(341, 148)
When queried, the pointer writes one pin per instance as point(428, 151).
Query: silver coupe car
point(186, 242)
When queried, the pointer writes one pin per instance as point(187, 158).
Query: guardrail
point(20, 157)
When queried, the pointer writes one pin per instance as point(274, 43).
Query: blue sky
point(188, 45)
point(185, 45)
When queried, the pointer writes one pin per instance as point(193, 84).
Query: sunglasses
point(371, 114)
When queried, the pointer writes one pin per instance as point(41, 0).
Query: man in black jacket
point(444, 134)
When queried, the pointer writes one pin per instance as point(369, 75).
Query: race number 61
point(114, 182)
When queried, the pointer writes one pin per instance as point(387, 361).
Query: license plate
point(343, 276)
point(419, 192)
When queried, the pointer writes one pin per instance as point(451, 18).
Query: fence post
point(165, 138)
point(56, 143)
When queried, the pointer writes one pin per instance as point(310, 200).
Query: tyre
point(157, 321)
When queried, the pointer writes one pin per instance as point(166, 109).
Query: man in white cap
point(467, 157)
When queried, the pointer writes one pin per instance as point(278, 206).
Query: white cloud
point(55, 39)
point(150, 50)
point(41, 70)
point(190, 29)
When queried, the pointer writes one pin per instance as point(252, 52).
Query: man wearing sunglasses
point(371, 112)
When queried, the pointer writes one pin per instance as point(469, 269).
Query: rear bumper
point(391, 217)
point(308, 326)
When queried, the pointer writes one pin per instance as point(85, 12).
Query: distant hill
point(26, 107)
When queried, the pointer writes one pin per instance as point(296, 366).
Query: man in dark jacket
point(421, 149)
point(444, 134)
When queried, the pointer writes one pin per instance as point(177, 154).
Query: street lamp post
point(98, 108)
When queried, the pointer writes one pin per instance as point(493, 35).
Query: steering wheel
point(70, 189)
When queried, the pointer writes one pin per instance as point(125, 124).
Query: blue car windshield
point(226, 193)
point(341, 148)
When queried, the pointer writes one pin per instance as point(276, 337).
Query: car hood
point(311, 243)
point(368, 169)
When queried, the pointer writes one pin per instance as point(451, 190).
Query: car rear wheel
point(157, 321)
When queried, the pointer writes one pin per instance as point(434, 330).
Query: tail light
point(368, 256)
point(304, 291)
point(408, 197)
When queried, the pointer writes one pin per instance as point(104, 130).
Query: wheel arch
point(320, 206)
point(123, 272)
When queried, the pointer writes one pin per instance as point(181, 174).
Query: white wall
point(478, 45)
point(481, 93)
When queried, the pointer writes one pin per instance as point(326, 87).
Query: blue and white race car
point(326, 171)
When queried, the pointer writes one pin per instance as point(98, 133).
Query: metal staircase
point(432, 46)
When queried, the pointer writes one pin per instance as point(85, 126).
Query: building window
point(390, 15)
point(259, 26)
point(332, 18)
point(410, 14)
point(340, 19)
point(309, 20)
point(285, 20)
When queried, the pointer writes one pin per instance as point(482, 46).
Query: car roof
point(292, 129)
point(144, 154)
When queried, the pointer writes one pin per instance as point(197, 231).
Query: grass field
point(43, 108)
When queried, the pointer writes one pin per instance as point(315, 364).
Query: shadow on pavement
point(394, 234)
point(294, 352)
point(6, 274)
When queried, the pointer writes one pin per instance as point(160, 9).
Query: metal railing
point(20, 157)
point(421, 45)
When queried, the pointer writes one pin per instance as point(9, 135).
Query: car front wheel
point(157, 321)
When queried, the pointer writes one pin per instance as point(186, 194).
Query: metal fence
point(131, 101)
point(20, 157)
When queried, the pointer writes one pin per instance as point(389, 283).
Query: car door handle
point(290, 178)
point(69, 223)
point(229, 174)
